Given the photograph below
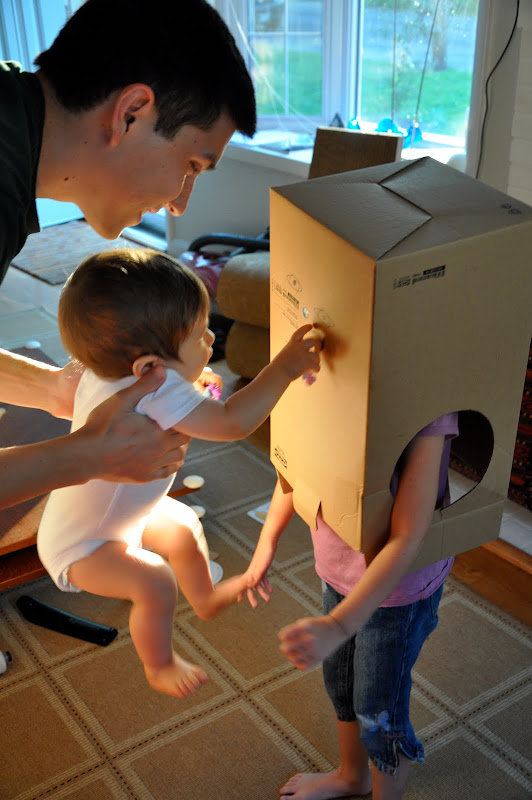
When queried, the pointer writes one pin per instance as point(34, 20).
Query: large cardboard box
point(421, 279)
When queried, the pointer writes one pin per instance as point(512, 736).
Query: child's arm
point(279, 514)
point(309, 640)
point(245, 410)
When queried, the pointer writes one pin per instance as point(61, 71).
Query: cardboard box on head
point(421, 279)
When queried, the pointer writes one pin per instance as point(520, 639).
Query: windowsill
point(145, 238)
point(297, 162)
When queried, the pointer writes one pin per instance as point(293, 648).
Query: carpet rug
point(79, 722)
point(55, 253)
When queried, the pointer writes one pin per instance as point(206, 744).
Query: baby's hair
point(121, 304)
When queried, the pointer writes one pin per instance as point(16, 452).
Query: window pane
point(268, 73)
point(304, 74)
point(304, 16)
point(287, 56)
point(417, 64)
point(268, 15)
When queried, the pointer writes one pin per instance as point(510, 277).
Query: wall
point(235, 197)
point(503, 156)
point(520, 172)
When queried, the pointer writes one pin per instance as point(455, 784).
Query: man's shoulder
point(21, 124)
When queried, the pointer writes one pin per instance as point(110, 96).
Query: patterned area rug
point(53, 254)
point(79, 721)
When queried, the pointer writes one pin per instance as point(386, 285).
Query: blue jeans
point(368, 678)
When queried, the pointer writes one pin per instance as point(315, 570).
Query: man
point(130, 104)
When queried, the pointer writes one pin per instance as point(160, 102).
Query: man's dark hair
point(181, 48)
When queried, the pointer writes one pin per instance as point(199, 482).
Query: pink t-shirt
point(342, 567)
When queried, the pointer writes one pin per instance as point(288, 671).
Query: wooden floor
point(502, 574)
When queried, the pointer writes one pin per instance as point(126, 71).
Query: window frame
point(338, 95)
point(342, 38)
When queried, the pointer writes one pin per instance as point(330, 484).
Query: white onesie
point(79, 519)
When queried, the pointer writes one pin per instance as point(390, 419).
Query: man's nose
point(179, 204)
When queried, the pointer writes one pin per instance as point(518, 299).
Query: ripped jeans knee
point(384, 744)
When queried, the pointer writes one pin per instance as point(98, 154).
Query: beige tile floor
point(28, 313)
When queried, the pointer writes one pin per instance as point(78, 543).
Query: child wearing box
point(376, 619)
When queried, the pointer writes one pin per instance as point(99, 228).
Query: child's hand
point(309, 640)
point(301, 354)
point(209, 379)
point(256, 576)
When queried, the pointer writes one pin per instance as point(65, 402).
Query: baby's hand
point(309, 640)
point(211, 381)
point(301, 355)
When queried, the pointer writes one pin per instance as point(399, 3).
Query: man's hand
point(123, 445)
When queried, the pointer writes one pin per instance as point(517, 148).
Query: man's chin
point(105, 230)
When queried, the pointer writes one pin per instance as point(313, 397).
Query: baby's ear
point(143, 364)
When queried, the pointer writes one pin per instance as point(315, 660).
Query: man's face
point(148, 172)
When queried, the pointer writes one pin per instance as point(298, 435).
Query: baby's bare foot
point(180, 678)
point(323, 786)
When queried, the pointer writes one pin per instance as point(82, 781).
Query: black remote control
point(62, 622)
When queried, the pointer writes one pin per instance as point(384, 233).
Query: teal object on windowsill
point(387, 125)
point(413, 136)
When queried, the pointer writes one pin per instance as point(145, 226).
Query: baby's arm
point(309, 640)
point(279, 514)
point(245, 410)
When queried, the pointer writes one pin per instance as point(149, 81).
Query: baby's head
point(119, 305)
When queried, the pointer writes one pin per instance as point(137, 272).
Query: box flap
point(340, 212)
point(462, 207)
point(306, 503)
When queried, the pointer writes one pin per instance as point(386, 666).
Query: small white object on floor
point(193, 481)
point(32, 344)
point(5, 658)
point(2, 412)
point(216, 572)
point(200, 511)
point(260, 512)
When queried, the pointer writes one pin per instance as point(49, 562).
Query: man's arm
point(116, 443)
point(33, 384)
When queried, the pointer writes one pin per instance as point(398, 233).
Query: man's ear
point(143, 364)
point(133, 102)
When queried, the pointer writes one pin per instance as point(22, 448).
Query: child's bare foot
point(323, 786)
point(180, 678)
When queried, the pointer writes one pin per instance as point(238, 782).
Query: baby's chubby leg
point(175, 532)
point(144, 578)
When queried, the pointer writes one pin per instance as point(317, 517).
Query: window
point(404, 65)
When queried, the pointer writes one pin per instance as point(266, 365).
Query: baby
point(121, 313)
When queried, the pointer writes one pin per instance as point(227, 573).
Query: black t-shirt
point(21, 129)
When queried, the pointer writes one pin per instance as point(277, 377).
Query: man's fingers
point(147, 383)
